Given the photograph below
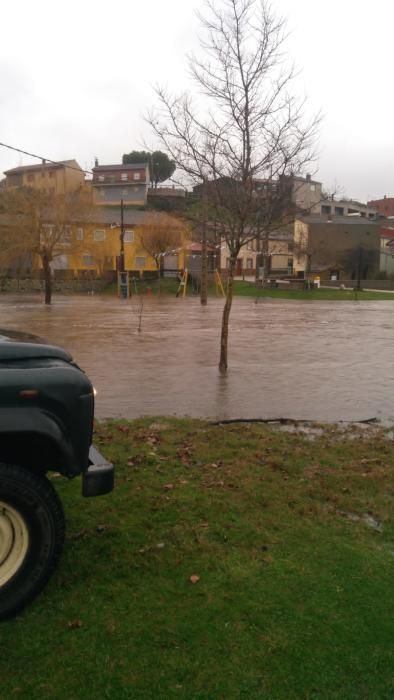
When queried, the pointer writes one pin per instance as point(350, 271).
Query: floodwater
point(324, 361)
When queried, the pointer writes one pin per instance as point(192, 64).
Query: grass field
point(249, 289)
point(291, 541)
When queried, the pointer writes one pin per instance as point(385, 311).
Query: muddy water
point(308, 360)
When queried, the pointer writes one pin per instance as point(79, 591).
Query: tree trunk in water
point(266, 258)
point(204, 265)
point(308, 271)
point(47, 279)
point(159, 275)
point(223, 364)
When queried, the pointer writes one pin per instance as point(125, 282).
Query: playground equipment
point(182, 284)
point(219, 284)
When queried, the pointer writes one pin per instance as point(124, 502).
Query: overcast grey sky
point(76, 78)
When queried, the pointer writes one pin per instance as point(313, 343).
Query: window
point(313, 188)
point(87, 259)
point(79, 234)
point(99, 235)
point(101, 178)
point(66, 235)
point(129, 236)
point(136, 176)
point(339, 211)
point(111, 178)
point(140, 261)
point(249, 264)
point(124, 177)
point(326, 209)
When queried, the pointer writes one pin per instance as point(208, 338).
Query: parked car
point(46, 424)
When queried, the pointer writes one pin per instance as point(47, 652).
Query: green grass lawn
point(249, 289)
point(293, 544)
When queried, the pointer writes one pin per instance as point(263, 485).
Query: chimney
point(308, 177)
point(96, 162)
point(43, 161)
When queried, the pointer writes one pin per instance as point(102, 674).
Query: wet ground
point(323, 361)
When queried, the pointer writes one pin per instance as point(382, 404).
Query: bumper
point(99, 477)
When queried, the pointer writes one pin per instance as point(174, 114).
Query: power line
point(47, 160)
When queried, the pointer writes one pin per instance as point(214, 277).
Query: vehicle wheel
point(31, 536)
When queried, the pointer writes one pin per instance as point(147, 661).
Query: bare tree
point(160, 235)
point(35, 223)
point(249, 126)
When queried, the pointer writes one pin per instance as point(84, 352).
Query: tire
point(31, 536)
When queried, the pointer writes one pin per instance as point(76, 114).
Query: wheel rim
point(14, 542)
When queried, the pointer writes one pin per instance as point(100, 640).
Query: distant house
point(387, 250)
point(52, 178)
point(340, 249)
point(385, 206)
point(306, 194)
point(347, 207)
point(112, 183)
point(91, 245)
point(280, 261)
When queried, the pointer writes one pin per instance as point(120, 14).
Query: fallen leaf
point(81, 533)
point(194, 579)
point(168, 486)
point(74, 624)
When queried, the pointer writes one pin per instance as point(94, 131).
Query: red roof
point(196, 248)
point(387, 232)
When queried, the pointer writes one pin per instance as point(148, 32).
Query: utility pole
point(121, 256)
point(204, 250)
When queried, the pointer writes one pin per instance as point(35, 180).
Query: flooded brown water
point(324, 361)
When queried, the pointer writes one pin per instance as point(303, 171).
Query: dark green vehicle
point(46, 424)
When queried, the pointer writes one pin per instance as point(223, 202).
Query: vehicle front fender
point(33, 438)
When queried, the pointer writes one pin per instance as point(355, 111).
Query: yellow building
point(95, 244)
point(53, 178)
